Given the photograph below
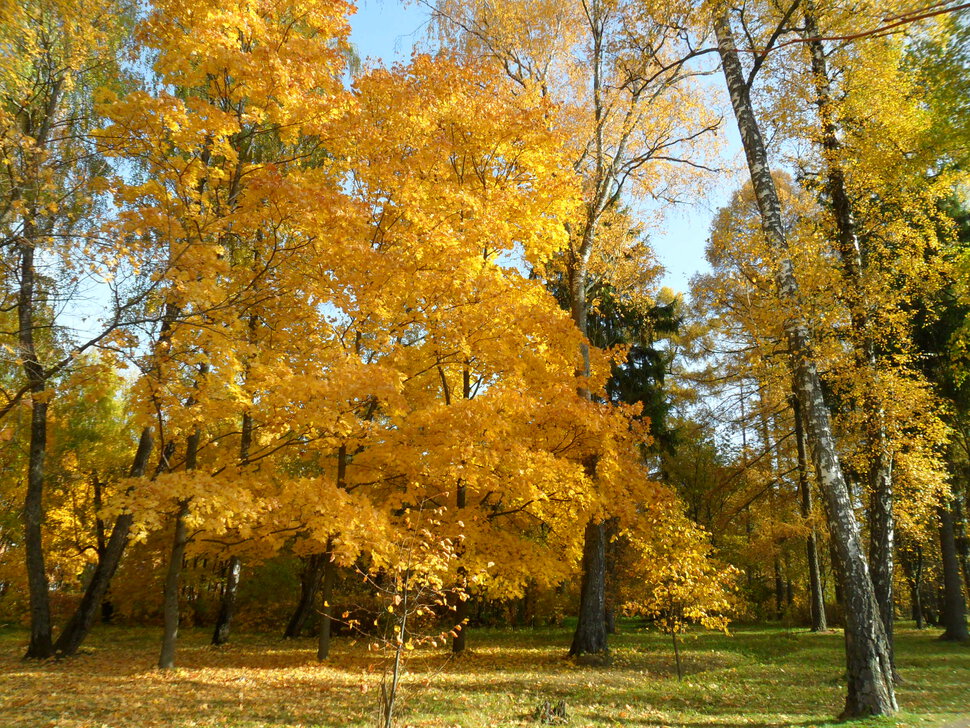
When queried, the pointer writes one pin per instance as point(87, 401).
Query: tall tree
point(629, 119)
point(49, 212)
point(869, 668)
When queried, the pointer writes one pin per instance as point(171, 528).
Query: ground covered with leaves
point(758, 676)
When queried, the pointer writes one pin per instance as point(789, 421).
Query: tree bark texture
point(180, 539)
point(868, 664)
point(954, 611)
point(590, 635)
point(881, 521)
point(962, 540)
point(41, 644)
point(309, 583)
point(80, 623)
point(815, 592)
point(227, 603)
point(170, 605)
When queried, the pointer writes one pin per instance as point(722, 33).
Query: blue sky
point(385, 31)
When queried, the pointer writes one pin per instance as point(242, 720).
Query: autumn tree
point(629, 117)
point(50, 213)
point(222, 145)
point(870, 689)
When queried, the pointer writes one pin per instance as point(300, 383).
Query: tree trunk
point(912, 563)
point(962, 541)
point(227, 604)
point(41, 644)
point(170, 606)
point(79, 625)
point(882, 546)
point(326, 605)
point(779, 590)
point(36, 123)
point(611, 588)
point(917, 606)
point(954, 612)
point(868, 663)
point(590, 635)
point(171, 594)
point(309, 583)
point(881, 522)
point(836, 575)
point(461, 607)
point(680, 671)
point(815, 593)
point(462, 613)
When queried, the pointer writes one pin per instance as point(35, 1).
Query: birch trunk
point(881, 521)
point(868, 665)
point(816, 594)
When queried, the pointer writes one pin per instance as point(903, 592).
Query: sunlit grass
point(758, 676)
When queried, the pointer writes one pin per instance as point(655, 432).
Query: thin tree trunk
point(36, 124)
point(868, 663)
point(954, 612)
point(77, 628)
point(816, 595)
point(912, 563)
point(459, 641)
point(917, 599)
point(41, 644)
point(107, 608)
point(779, 589)
point(962, 541)
point(170, 608)
point(227, 604)
point(326, 605)
point(590, 635)
point(170, 612)
point(680, 671)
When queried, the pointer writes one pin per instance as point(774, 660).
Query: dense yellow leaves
point(332, 301)
point(349, 279)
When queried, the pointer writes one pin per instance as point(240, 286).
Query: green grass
point(763, 676)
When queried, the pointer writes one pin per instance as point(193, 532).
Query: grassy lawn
point(758, 676)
